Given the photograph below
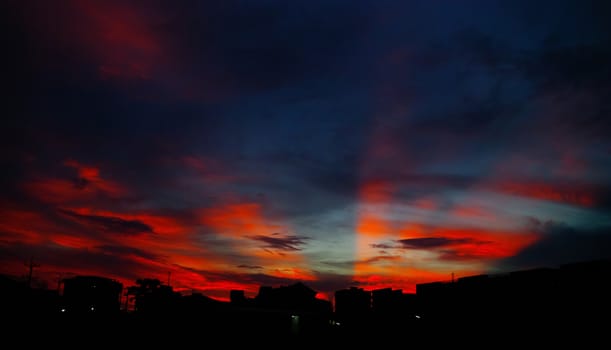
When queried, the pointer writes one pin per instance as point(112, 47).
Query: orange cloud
point(374, 194)
point(262, 243)
point(240, 219)
point(372, 225)
point(293, 273)
point(411, 229)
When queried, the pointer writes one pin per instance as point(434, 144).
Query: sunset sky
point(235, 144)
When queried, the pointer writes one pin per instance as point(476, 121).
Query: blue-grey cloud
point(423, 243)
point(282, 243)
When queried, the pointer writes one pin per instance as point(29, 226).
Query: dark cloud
point(250, 267)
point(557, 77)
point(372, 260)
point(125, 250)
point(429, 242)
point(379, 258)
point(265, 44)
point(384, 246)
point(57, 259)
point(578, 66)
point(423, 243)
point(574, 82)
point(260, 279)
point(282, 243)
point(561, 244)
point(447, 249)
point(329, 283)
point(109, 224)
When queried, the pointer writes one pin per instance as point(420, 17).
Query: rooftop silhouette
point(562, 299)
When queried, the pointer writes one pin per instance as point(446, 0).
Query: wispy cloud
point(282, 243)
point(250, 267)
point(432, 242)
point(110, 224)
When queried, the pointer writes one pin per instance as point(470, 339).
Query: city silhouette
point(551, 304)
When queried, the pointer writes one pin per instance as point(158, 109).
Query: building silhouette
point(91, 294)
point(570, 302)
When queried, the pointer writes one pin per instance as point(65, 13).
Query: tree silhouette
point(151, 296)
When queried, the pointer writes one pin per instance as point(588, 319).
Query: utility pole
point(31, 266)
point(452, 277)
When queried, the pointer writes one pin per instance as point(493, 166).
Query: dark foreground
point(230, 331)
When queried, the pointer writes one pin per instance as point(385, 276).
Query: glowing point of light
point(92, 308)
point(63, 310)
point(418, 316)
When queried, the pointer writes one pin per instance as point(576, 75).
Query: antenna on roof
point(31, 266)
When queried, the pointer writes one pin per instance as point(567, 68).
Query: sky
point(221, 145)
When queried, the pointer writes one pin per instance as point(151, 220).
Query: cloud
point(385, 246)
point(55, 259)
point(424, 243)
point(432, 242)
point(581, 66)
point(282, 243)
point(236, 219)
point(561, 244)
point(110, 224)
point(380, 258)
point(371, 260)
point(575, 194)
point(125, 250)
point(250, 267)
point(452, 244)
point(251, 280)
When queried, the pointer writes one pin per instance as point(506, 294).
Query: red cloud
point(120, 38)
point(570, 194)
point(480, 244)
point(87, 185)
point(24, 226)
